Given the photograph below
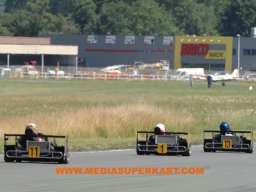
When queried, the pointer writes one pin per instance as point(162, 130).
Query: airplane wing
point(223, 76)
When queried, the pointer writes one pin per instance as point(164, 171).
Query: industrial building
point(17, 51)
point(208, 52)
point(98, 51)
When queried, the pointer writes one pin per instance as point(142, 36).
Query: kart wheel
point(207, 150)
point(63, 161)
point(139, 152)
point(187, 152)
point(6, 159)
point(205, 142)
point(250, 150)
point(138, 147)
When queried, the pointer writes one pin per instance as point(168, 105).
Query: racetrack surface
point(222, 172)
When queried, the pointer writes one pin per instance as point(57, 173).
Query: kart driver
point(31, 134)
point(158, 130)
point(224, 130)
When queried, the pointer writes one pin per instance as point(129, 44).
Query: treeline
point(128, 17)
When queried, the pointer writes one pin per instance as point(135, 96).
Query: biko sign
point(191, 49)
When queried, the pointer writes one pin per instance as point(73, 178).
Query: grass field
point(106, 114)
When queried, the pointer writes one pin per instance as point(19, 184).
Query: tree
point(115, 18)
point(4, 31)
point(18, 23)
point(149, 18)
point(193, 17)
point(57, 7)
point(121, 17)
point(218, 7)
point(136, 17)
point(12, 5)
point(33, 19)
point(83, 13)
point(238, 18)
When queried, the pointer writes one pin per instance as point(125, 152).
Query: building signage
point(149, 40)
point(91, 39)
point(168, 40)
point(188, 49)
point(215, 54)
point(110, 39)
point(129, 40)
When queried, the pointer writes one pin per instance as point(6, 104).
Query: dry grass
point(99, 122)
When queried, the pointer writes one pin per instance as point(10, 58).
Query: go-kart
point(169, 143)
point(43, 151)
point(233, 141)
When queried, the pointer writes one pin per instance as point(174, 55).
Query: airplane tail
point(235, 73)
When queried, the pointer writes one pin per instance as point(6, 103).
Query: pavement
point(223, 171)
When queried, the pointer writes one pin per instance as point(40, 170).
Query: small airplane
point(118, 69)
point(223, 76)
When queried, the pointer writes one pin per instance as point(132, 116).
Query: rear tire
point(251, 149)
point(137, 147)
point(63, 161)
point(187, 152)
point(8, 160)
point(139, 152)
point(6, 149)
point(206, 149)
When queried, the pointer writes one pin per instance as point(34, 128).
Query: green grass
point(106, 114)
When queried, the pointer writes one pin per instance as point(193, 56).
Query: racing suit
point(30, 136)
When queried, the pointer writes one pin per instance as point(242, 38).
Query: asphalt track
point(222, 172)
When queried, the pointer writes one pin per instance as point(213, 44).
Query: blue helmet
point(224, 127)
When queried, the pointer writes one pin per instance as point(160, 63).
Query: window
point(234, 51)
point(253, 51)
point(247, 52)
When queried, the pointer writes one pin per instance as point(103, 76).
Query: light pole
point(238, 54)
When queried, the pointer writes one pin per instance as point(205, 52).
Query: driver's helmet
point(32, 127)
point(224, 127)
point(159, 128)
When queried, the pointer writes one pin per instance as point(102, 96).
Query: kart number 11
point(34, 152)
point(162, 148)
point(227, 144)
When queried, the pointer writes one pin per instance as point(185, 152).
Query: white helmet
point(32, 126)
point(161, 127)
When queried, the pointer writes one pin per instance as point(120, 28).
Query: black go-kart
point(240, 141)
point(169, 143)
point(43, 151)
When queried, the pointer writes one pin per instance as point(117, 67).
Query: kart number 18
point(34, 152)
point(227, 144)
point(162, 148)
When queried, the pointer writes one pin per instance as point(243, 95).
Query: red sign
point(194, 49)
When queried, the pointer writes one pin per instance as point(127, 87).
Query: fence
point(96, 74)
